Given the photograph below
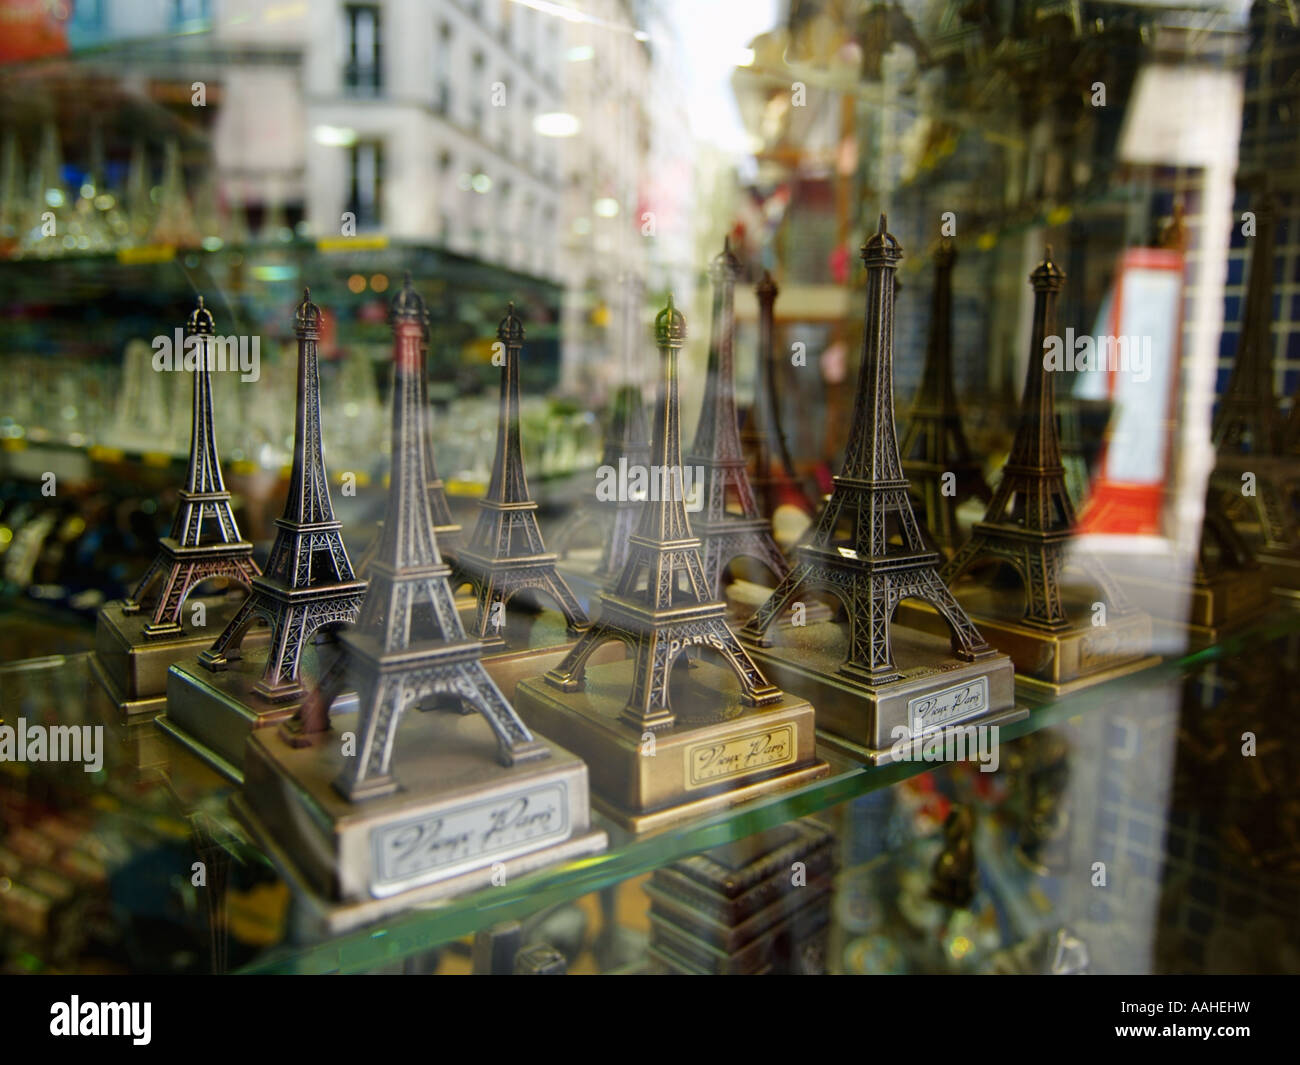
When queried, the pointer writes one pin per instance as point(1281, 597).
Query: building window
point(366, 182)
point(362, 52)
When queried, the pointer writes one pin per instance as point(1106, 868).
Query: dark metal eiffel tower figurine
point(726, 533)
point(1029, 525)
point(1249, 435)
point(205, 541)
point(868, 571)
point(408, 644)
point(771, 470)
point(661, 607)
point(308, 583)
point(937, 460)
point(890, 686)
point(506, 554)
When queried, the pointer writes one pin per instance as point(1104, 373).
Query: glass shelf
point(166, 792)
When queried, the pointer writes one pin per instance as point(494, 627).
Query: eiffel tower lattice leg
point(281, 677)
point(967, 643)
point(575, 617)
point(870, 658)
point(226, 648)
point(568, 675)
point(131, 605)
point(775, 605)
point(515, 743)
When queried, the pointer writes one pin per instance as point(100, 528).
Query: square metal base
point(1049, 664)
point(213, 712)
point(132, 667)
point(717, 754)
point(459, 822)
point(937, 692)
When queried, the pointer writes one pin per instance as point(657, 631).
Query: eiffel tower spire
point(867, 571)
point(205, 541)
point(934, 445)
point(772, 474)
point(308, 584)
point(1030, 520)
point(661, 603)
point(506, 554)
point(1247, 419)
point(725, 533)
point(408, 644)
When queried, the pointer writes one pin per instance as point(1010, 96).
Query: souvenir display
point(437, 782)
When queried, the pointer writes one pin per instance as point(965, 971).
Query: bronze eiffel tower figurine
point(718, 731)
point(943, 470)
point(1057, 645)
point(139, 638)
point(364, 844)
point(1252, 470)
point(872, 701)
point(307, 587)
point(506, 554)
point(205, 541)
point(771, 470)
point(725, 533)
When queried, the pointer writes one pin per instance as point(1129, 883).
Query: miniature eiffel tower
point(771, 471)
point(408, 643)
point(726, 534)
point(660, 607)
point(868, 572)
point(308, 582)
point(205, 541)
point(506, 554)
point(934, 445)
point(1029, 526)
point(1249, 436)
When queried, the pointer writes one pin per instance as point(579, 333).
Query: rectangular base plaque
point(718, 753)
point(133, 668)
point(458, 817)
point(1049, 664)
point(937, 692)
